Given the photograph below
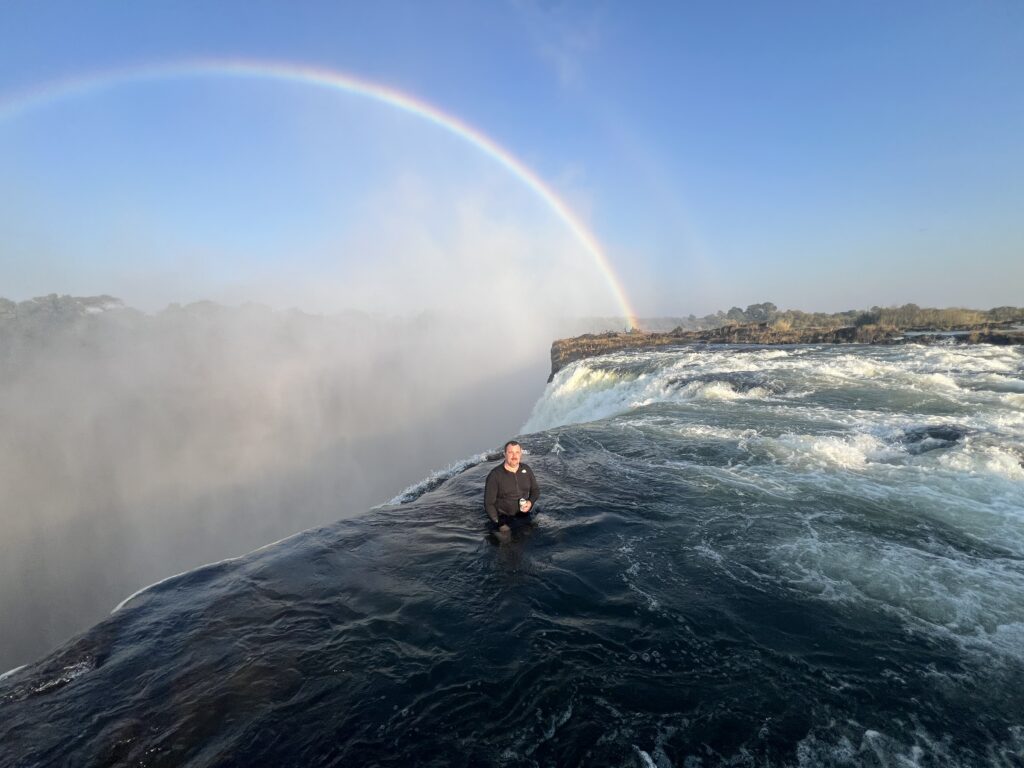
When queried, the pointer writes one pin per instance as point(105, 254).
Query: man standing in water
point(511, 490)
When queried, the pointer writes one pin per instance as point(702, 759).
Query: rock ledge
point(566, 351)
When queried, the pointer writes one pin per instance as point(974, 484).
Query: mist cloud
point(136, 445)
point(383, 297)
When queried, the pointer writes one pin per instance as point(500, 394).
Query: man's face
point(512, 455)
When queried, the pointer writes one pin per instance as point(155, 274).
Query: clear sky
point(822, 155)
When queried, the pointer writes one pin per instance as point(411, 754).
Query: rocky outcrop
point(566, 351)
point(1001, 338)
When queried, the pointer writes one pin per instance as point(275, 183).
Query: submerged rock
point(918, 440)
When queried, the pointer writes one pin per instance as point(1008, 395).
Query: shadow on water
point(512, 548)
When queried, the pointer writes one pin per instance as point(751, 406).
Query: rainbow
point(83, 85)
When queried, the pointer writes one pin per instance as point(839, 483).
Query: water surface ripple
point(766, 557)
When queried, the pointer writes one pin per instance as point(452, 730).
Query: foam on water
point(997, 382)
point(824, 451)
point(854, 367)
point(956, 466)
point(719, 390)
point(580, 393)
point(10, 672)
point(874, 385)
point(598, 388)
point(67, 675)
point(437, 478)
point(708, 432)
point(981, 459)
point(979, 359)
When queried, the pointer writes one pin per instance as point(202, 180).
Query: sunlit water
point(765, 557)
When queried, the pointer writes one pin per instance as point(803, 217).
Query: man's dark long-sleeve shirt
point(504, 489)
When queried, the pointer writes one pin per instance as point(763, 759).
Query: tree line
point(907, 316)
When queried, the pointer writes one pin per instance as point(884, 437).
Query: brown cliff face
point(566, 351)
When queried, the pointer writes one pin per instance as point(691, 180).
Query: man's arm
point(491, 497)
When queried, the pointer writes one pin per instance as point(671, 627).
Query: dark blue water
point(708, 581)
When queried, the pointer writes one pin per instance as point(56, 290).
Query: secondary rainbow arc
point(38, 96)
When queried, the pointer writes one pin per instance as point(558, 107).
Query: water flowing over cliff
point(802, 556)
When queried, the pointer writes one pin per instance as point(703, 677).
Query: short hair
point(510, 442)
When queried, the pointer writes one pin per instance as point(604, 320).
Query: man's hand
point(529, 506)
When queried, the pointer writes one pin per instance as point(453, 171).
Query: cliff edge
point(566, 351)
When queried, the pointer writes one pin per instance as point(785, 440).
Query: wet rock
point(918, 440)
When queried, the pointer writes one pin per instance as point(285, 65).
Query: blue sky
point(821, 155)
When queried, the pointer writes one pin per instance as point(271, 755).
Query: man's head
point(513, 453)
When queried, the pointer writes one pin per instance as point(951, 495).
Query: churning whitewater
point(799, 556)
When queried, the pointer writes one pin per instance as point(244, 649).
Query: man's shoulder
point(498, 468)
